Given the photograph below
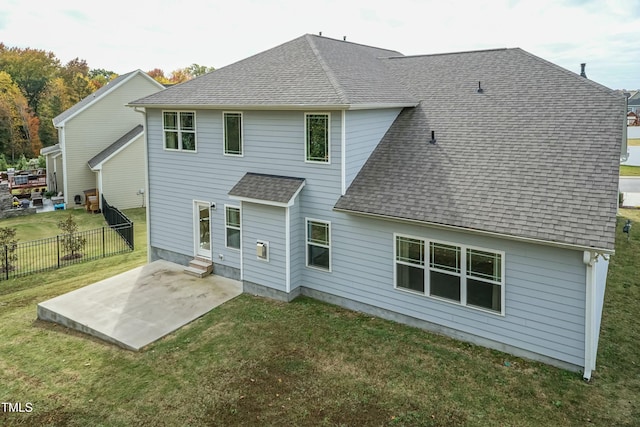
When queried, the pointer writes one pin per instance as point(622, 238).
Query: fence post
point(58, 248)
point(103, 249)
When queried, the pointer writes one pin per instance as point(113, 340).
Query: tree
point(195, 70)
point(158, 75)
point(71, 242)
point(31, 69)
point(18, 125)
point(100, 77)
point(8, 246)
point(54, 101)
point(76, 78)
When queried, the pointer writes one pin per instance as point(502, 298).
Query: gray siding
point(264, 223)
point(273, 144)
point(544, 294)
point(297, 248)
point(364, 130)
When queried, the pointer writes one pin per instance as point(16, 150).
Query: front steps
point(199, 267)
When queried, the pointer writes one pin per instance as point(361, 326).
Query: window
point(318, 244)
point(467, 276)
point(179, 130)
point(317, 137)
point(232, 227)
point(232, 134)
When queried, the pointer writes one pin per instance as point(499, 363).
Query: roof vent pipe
point(344, 38)
point(433, 137)
point(582, 73)
point(480, 90)
point(320, 33)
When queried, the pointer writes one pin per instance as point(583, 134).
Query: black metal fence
point(40, 255)
point(117, 221)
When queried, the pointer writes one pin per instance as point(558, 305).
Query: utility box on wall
point(262, 250)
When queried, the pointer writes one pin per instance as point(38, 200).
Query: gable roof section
point(310, 71)
point(536, 170)
point(53, 149)
point(267, 189)
point(95, 96)
point(96, 162)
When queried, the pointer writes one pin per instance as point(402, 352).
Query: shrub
point(8, 246)
point(71, 242)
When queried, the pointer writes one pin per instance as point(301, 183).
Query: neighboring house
point(101, 145)
point(394, 186)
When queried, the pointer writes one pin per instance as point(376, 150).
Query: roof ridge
point(328, 71)
point(354, 43)
point(499, 49)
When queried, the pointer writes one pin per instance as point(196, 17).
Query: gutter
point(601, 251)
point(277, 107)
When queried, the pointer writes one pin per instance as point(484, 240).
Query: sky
point(123, 36)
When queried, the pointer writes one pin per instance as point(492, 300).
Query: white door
point(202, 229)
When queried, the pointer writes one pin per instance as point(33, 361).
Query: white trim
point(65, 179)
point(100, 189)
point(227, 227)
point(590, 331)
point(287, 249)
point(343, 153)
point(241, 241)
point(196, 229)
point(106, 92)
point(118, 151)
point(463, 274)
point(279, 107)
point(146, 183)
point(318, 162)
point(224, 135)
point(478, 232)
point(306, 244)
point(179, 132)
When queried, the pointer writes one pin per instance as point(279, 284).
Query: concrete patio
point(140, 306)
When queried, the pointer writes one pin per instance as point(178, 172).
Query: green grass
point(255, 361)
point(629, 170)
point(41, 225)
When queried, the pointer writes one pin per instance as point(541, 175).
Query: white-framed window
point(232, 133)
point(317, 137)
point(465, 275)
point(232, 229)
point(318, 236)
point(179, 130)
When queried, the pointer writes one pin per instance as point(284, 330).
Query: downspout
point(143, 111)
point(287, 249)
point(343, 153)
point(589, 259)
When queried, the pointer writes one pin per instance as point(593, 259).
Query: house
point(347, 173)
point(101, 145)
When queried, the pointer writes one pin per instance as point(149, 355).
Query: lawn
point(629, 170)
point(254, 361)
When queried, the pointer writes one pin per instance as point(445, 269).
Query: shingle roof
point(540, 169)
point(53, 149)
point(307, 71)
point(117, 145)
point(267, 188)
point(88, 100)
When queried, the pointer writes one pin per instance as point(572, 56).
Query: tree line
point(35, 87)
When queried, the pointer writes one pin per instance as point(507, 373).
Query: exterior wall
point(297, 248)
point(273, 143)
point(364, 130)
point(544, 293)
point(54, 172)
point(264, 223)
point(97, 127)
point(123, 176)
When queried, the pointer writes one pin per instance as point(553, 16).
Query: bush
point(71, 242)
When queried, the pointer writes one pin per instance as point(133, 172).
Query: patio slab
point(140, 306)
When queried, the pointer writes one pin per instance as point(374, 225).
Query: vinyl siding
point(123, 176)
point(97, 127)
point(364, 130)
point(264, 223)
point(544, 294)
point(273, 143)
point(297, 249)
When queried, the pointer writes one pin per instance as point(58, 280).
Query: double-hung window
point(232, 226)
point(179, 130)
point(316, 137)
point(232, 133)
point(456, 273)
point(319, 244)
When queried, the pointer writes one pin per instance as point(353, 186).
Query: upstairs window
point(232, 134)
point(179, 130)
point(316, 131)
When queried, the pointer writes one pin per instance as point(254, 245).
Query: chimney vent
point(582, 73)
